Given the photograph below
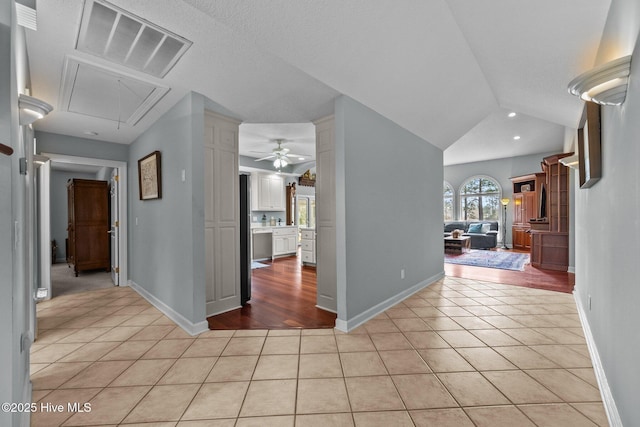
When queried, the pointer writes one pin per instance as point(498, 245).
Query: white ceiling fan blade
point(297, 155)
point(265, 158)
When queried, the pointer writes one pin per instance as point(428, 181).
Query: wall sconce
point(32, 109)
point(606, 84)
point(572, 161)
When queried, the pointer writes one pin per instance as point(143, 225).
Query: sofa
point(481, 237)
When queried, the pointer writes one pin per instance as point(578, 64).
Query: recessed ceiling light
point(512, 114)
point(300, 158)
point(90, 132)
point(517, 137)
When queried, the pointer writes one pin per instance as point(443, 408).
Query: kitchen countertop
point(259, 226)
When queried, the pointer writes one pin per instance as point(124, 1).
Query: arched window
point(447, 196)
point(480, 199)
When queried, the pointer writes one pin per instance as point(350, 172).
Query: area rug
point(256, 264)
point(490, 259)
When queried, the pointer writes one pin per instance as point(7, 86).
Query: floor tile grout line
point(415, 349)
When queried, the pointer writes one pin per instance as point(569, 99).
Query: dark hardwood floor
point(283, 295)
point(531, 277)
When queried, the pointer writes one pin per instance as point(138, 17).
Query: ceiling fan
point(280, 155)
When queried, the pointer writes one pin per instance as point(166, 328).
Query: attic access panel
point(95, 91)
point(114, 34)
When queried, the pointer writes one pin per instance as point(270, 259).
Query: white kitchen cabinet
point(308, 247)
point(285, 240)
point(267, 192)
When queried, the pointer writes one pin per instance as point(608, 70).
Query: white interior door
point(221, 214)
point(115, 228)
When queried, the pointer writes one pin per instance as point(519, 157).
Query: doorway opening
point(56, 275)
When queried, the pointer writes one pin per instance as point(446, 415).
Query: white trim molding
point(122, 201)
point(351, 324)
point(188, 326)
point(607, 397)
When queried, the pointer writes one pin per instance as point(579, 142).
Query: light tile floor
point(459, 353)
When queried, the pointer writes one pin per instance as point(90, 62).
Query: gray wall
point(166, 246)
point(47, 142)
point(392, 215)
point(15, 300)
point(608, 231)
point(500, 170)
point(10, 348)
point(162, 258)
point(59, 216)
point(104, 174)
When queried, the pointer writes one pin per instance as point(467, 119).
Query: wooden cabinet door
point(529, 206)
point(517, 208)
point(521, 238)
point(516, 233)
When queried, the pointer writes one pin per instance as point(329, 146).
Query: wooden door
point(89, 225)
point(529, 206)
point(517, 208)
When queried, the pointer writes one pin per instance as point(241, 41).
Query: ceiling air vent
point(26, 14)
point(121, 37)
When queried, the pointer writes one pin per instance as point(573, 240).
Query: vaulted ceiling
point(448, 71)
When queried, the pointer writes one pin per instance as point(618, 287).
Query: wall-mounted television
point(589, 150)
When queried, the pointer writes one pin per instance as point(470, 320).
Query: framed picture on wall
point(589, 150)
point(150, 177)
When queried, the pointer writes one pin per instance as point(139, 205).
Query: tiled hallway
point(459, 353)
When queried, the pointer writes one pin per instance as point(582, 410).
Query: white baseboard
point(351, 324)
point(571, 269)
point(326, 309)
point(184, 323)
point(607, 397)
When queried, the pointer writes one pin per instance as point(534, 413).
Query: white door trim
point(44, 229)
point(122, 201)
point(114, 226)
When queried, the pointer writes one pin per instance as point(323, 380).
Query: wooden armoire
point(550, 234)
point(526, 207)
point(88, 225)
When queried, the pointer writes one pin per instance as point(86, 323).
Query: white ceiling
point(448, 71)
point(258, 140)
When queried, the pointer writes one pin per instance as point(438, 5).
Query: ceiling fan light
point(279, 163)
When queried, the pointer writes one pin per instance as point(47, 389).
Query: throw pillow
point(475, 228)
point(486, 228)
